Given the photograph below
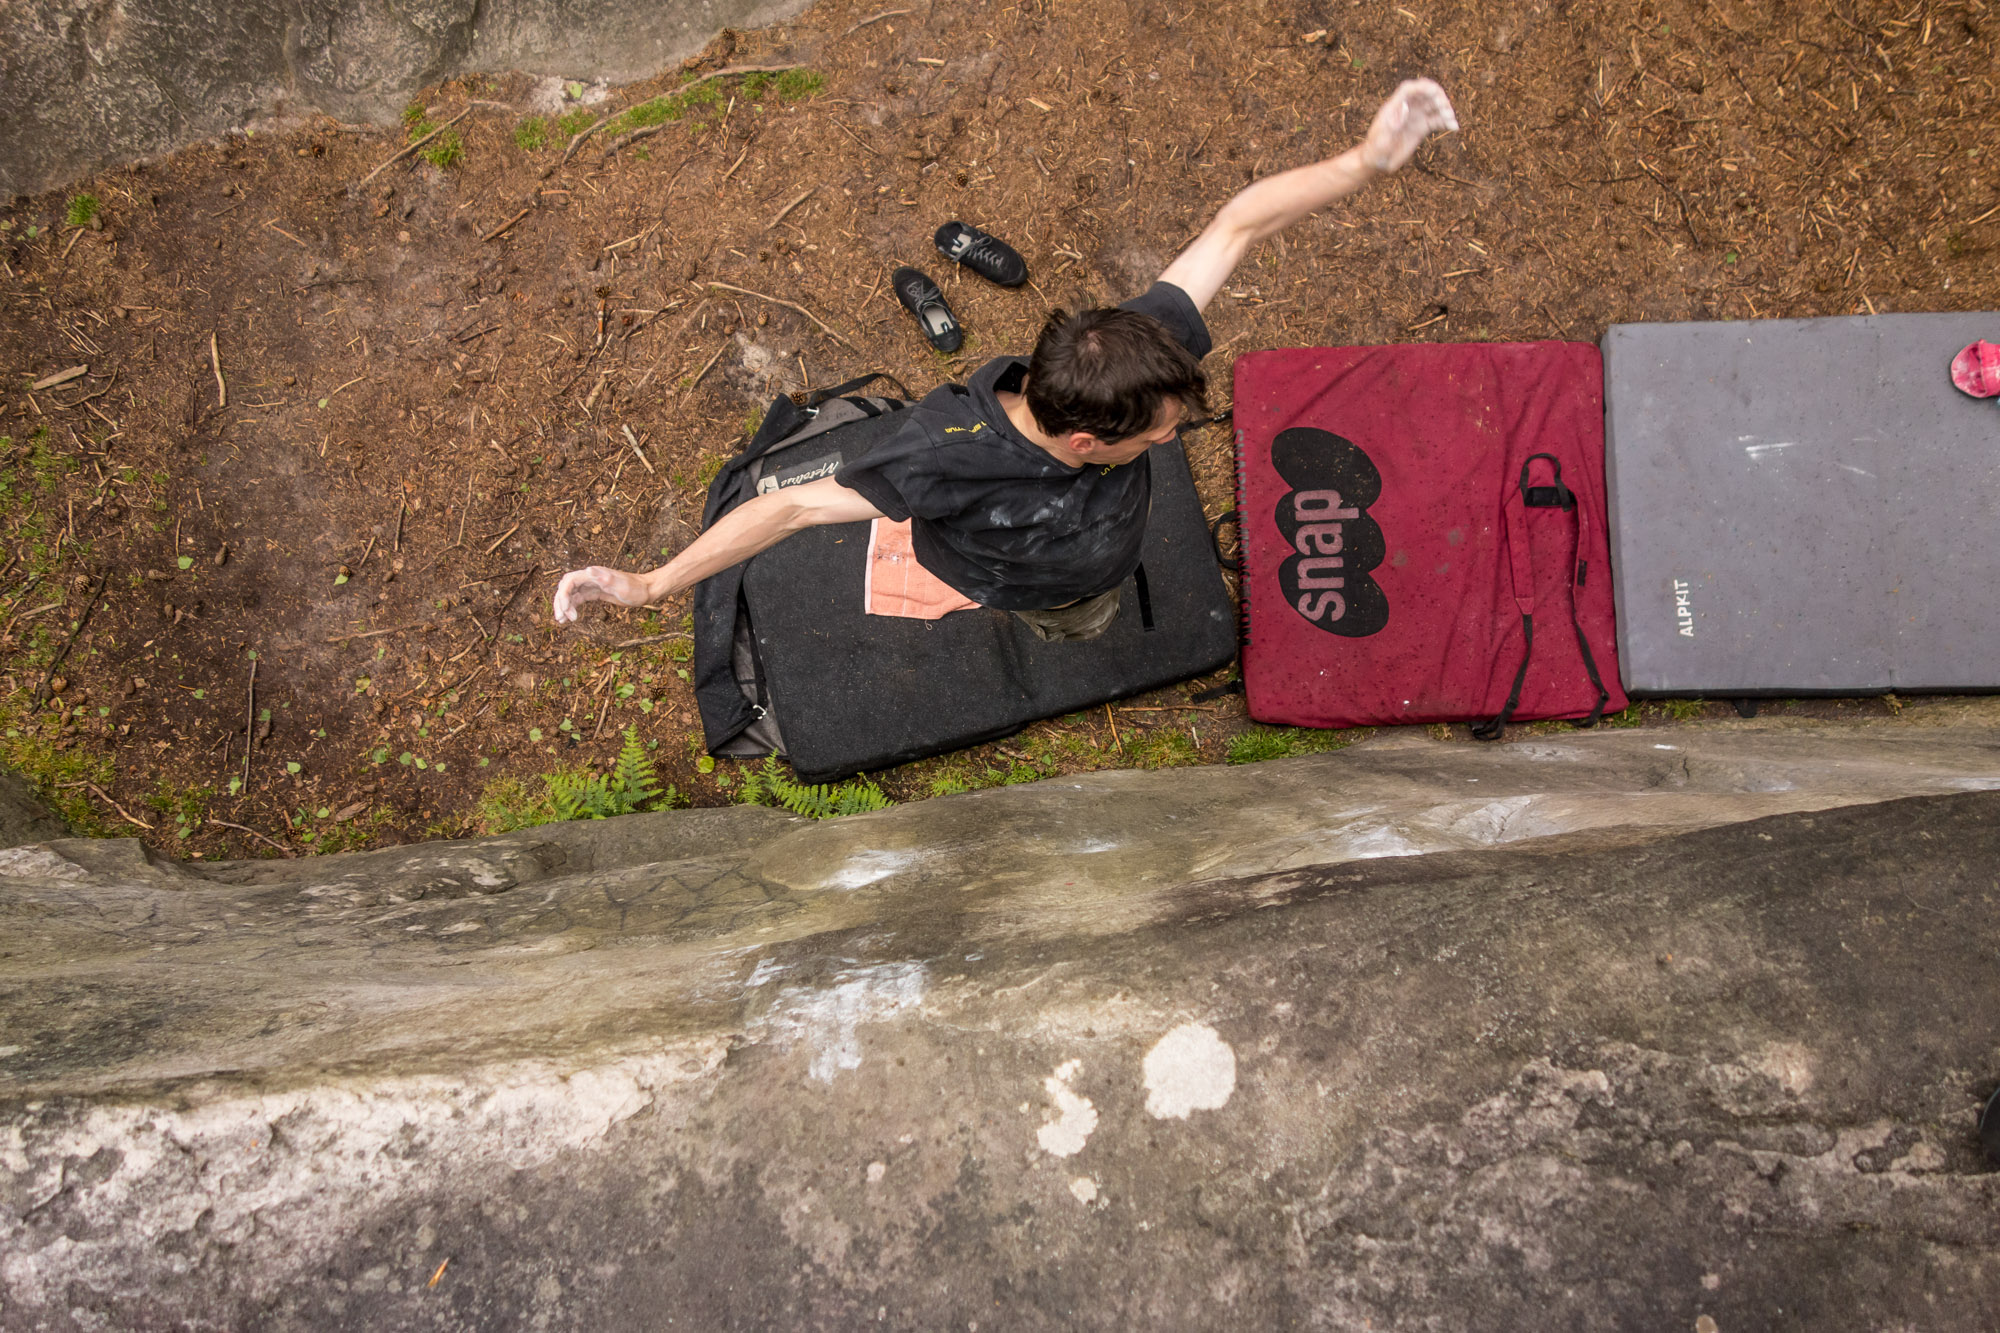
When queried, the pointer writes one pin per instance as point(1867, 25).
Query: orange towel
point(898, 585)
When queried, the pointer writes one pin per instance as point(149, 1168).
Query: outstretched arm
point(1414, 112)
point(741, 533)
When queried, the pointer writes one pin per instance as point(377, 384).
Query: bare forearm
point(1261, 210)
point(741, 533)
point(1264, 208)
point(1268, 206)
point(752, 527)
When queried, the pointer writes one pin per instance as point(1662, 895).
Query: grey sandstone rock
point(1631, 1036)
point(23, 818)
point(90, 83)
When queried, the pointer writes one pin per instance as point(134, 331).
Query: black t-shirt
point(996, 516)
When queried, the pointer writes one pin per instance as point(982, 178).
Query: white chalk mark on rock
point(1075, 1116)
point(865, 868)
point(828, 1020)
point(1190, 1069)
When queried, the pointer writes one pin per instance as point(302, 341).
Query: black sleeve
point(866, 479)
point(1175, 309)
point(902, 476)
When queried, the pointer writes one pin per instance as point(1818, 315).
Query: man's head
point(1112, 383)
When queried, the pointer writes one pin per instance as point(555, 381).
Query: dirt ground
point(339, 433)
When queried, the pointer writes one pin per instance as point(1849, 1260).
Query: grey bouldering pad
point(1802, 506)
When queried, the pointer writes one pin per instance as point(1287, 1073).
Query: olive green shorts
point(1085, 619)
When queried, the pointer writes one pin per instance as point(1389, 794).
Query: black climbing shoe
point(921, 297)
point(989, 257)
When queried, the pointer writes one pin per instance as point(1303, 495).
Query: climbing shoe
point(989, 257)
point(921, 297)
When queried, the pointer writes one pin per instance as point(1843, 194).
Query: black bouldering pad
point(854, 692)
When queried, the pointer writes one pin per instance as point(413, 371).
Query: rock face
point(90, 83)
point(1633, 1036)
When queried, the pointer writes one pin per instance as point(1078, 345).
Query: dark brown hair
point(1107, 372)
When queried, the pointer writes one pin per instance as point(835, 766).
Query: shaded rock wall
point(86, 84)
point(25, 819)
point(1139, 1050)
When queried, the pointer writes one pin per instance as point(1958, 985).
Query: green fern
point(633, 784)
point(580, 796)
point(630, 787)
point(769, 786)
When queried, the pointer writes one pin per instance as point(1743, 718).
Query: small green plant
point(1257, 744)
point(83, 210)
point(444, 151)
point(794, 84)
point(769, 786)
point(630, 787)
point(574, 122)
point(1684, 710)
point(1631, 716)
point(506, 805)
point(1164, 749)
point(532, 134)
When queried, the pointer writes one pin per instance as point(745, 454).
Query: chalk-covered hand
point(598, 584)
point(1414, 112)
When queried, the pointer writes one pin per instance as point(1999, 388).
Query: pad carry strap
point(818, 396)
point(1490, 729)
point(1553, 496)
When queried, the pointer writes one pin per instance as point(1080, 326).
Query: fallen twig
point(623, 140)
point(507, 606)
point(245, 828)
point(785, 212)
point(576, 142)
point(707, 366)
point(125, 814)
point(19, 598)
point(273, 225)
point(411, 148)
point(508, 225)
point(60, 377)
point(215, 360)
point(42, 694)
point(458, 684)
point(371, 634)
point(634, 442)
point(790, 305)
point(873, 18)
point(249, 726)
point(501, 538)
point(108, 385)
point(650, 638)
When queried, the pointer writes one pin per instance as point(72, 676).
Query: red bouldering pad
point(1424, 534)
